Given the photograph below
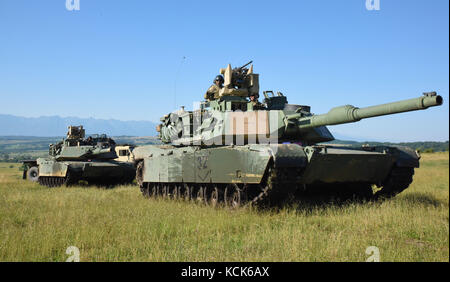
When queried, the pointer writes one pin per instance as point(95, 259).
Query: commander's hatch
point(274, 102)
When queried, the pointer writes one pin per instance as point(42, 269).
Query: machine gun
point(240, 69)
point(239, 75)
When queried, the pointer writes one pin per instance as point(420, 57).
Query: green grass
point(39, 223)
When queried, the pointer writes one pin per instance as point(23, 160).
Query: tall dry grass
point(39, 223)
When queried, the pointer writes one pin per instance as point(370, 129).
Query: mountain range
point(57, 126)
point(47, 126)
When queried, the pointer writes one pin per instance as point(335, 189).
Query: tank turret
point(76, 147)
point(91, 159)
point(234, 119)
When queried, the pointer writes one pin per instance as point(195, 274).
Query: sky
point(139, 60)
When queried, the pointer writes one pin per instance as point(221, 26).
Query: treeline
point(425, 147)
point(19, 144)
point(18, 157)
point(16, 149)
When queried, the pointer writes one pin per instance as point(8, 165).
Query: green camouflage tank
point(238, 151)
point(92, 159)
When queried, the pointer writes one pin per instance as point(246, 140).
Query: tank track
point(55, 181)
point(398, 180)
point(277, 186)
point(52, 181)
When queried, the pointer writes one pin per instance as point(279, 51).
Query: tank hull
point(251, 169)
point(56, 173)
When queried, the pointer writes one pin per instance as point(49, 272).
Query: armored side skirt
point(226, 164)
point(248, 164)
point(86, 170)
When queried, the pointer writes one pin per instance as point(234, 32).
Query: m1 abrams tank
point(92, 159)
point(237, 151)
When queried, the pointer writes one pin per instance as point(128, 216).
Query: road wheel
point(165, 191)
point(175, 191)
point(233, 196)
point(214, 197)
point(154, 190)
point(187, 192)
point(201, 195)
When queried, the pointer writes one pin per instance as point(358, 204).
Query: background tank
point(93, 159)
point(236, 151)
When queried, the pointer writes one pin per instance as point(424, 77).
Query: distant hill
point(424, 146)
point(57, 126)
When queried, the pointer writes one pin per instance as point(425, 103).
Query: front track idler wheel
point(399, 179)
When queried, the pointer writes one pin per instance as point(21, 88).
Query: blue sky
point(124, 59)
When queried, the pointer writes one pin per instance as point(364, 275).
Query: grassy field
point(39, 223)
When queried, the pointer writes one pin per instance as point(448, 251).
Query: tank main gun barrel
point(349, 113)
